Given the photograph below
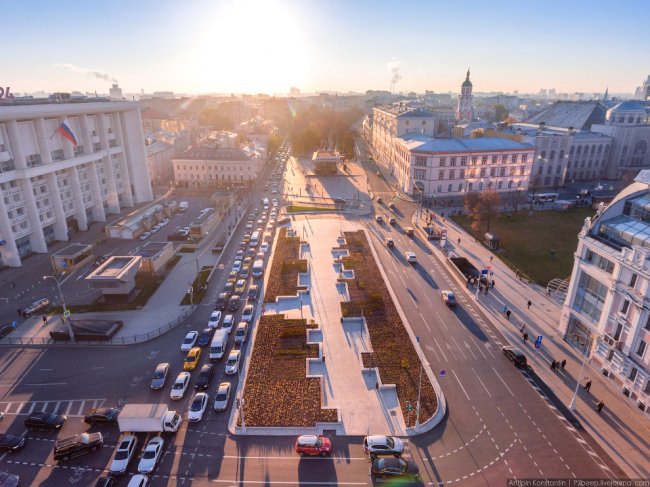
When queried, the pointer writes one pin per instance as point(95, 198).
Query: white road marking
point(441, 320)
point(477, 347)
point(459, 349)
point(479, 379)
point(461, 385)
point(440, 348)
point(469, 349)
point(425, 323)
point(501, 379)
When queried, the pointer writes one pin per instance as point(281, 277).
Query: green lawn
point(526, 241)
point(298, 208)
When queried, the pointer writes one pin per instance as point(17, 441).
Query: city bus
point(542, 197)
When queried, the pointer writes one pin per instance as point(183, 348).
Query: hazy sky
point(223, 46)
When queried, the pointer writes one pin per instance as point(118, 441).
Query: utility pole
point(65, 309)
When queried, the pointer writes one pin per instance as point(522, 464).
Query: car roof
point(391, 462)
point(163, 365)
point(182, 375)
point(223, 386)
point(377, 439)
point(233, 353)
point(307, 439)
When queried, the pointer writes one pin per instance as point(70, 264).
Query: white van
point(183, 206)
point(218, 344)
point(258, 268)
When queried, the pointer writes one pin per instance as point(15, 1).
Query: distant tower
point(606, 95)
point(465, 110)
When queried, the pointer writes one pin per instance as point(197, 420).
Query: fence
point(143, 337)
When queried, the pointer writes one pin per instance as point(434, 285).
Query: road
point(498, 426)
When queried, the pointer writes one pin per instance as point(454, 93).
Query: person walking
point(553, 365)
point(525, 337)
point(459, 241)
point(600, 406)
point(491, 257)
point(505, 308)
point(563, 364)
point(19, 311)
point(523, 327)
point(508, 313)
point(529, 303)
point(492, 283)
point(588, 386)
point(486, 289)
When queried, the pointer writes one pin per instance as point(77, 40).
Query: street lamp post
point(65, 309)
point(572, 404)
point(421, 357)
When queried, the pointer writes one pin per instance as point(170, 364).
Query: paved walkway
point(622, 430)
point(363, 409)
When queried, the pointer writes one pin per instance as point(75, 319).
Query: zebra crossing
point(73, 408)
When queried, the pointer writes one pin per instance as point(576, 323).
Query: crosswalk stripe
point(81, 406)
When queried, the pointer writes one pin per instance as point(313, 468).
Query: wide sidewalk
point(622, 430)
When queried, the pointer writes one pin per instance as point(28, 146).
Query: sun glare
point(251, 46)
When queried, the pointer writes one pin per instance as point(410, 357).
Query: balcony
point(5, 156)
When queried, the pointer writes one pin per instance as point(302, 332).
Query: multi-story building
point(628, 125)
point(64, 165)
point(453, 167)
point(210, 167)
point(394, 121)
point(606, 314)
point(159, 162)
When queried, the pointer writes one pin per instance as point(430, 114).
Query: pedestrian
point(553, 365)
point(19, 311)
point(588, 386)
point(563, 364)
point(529, 303)
point(523, 327)
point(44, 319)
point(459, 241)
point(505, 308)
point(508, 313)
point(13, 285)
point(491, 257)
point(600, 406)
point(492, 282)
point(525, 337)
point(486, 289)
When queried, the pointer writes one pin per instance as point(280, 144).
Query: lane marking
point(479, 379)
point(461, 385)
point(504, 383)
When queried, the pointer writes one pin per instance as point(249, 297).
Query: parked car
point(151, 455)
point(189, 341)
point(395, 468)
point(192, 359)
point(45, 421)
point(145, 236)
point(102, 416)
point(247, 314)
point(197, 407)
point(241, 333)
point(205, 377)
point(449, 298)
point(228, 323)
point(375, 445)
point(180, 386)
point(9, 480)
point(138, 480)
point(222, 397)
point(204, 337)
point(11, 443)
point(6, 329)
point(160, 376)
point(516, 356)
point(232, 364)
point(77, 445)
point(411, 258)
point(215, 318)
point(313, 445)
point(124, 453)
point(104, 481)
point(379, 219)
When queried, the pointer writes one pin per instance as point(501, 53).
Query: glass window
point(441, 174)
point(641, 348)
point(463, 161)
point(590, 296)
point(443, 161)
point(599, 261)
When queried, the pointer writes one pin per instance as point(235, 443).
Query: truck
point(258, 268)
point(148, 418)
point(183, 206)
point(221, 243)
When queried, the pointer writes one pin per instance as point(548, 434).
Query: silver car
point(151, 455)
point(222, 397)
point(124, 453)
point(160, 376)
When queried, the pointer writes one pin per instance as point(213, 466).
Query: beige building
point(159, 162)
point(211, 167)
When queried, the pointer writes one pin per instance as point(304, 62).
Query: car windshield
point(222, 396)
point(178, 385)
point(196, 404)
point(232, 361)
point(188, 339)
point(159, 374)
point(149, 454)
point(190, 358)
point(121, 455)
point(390, 442)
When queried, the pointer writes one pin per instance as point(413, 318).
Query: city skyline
point(267, 47)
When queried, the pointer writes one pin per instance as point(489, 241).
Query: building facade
point(453, 167)
point(212, 167)
point(465, 108)
point(159, 162)
point(606, 314)
point(627, 124)
point(64, 166)
point(393, 121)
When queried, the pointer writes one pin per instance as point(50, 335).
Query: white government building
point(606, 313)
point(50, 185)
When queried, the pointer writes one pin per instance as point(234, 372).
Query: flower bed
point(277, 391)
point(283, 279)
point(394, 353)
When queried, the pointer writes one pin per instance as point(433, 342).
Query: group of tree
point(482, 207)
point(216, 119)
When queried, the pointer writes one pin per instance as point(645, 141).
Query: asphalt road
point(497, 425)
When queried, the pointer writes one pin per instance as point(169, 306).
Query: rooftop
point(56, 98)
point(205, 153)
point(423, 143)
point(577, 114)
point(404, 111)
point(73, 249)
point(151, 250)
point(115, 268)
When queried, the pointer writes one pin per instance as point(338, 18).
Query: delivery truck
point(148, 418)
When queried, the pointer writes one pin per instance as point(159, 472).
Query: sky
point(268, 46)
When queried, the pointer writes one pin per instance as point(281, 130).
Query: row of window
point(471, 173)
point(213, 168)
point(224, 177)
point(474, 160)
point(478, 186)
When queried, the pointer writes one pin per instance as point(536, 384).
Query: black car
point(77, 445)
point(8, 479)
point(205, 337)
point(517, 356)
point(233, 303)
point(395, 468)
point(5, 330)
point(102, 416)
point(105, 481)
point(205, 377)
point(220, 304)
point(45, 421)
point(11, 443)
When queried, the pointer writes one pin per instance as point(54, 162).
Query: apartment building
point(210, 167)
point(605, 313)
point(65, 163)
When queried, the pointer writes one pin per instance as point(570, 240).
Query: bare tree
point(472, 206)
point(489, 202)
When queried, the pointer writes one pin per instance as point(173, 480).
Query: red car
point(313, 445)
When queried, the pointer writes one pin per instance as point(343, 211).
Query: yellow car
point(239, 287)
point(232, 277)
point(192, 359)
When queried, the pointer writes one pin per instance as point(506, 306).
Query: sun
point(251, 46)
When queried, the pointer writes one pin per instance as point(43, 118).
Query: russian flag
point(66, 132)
